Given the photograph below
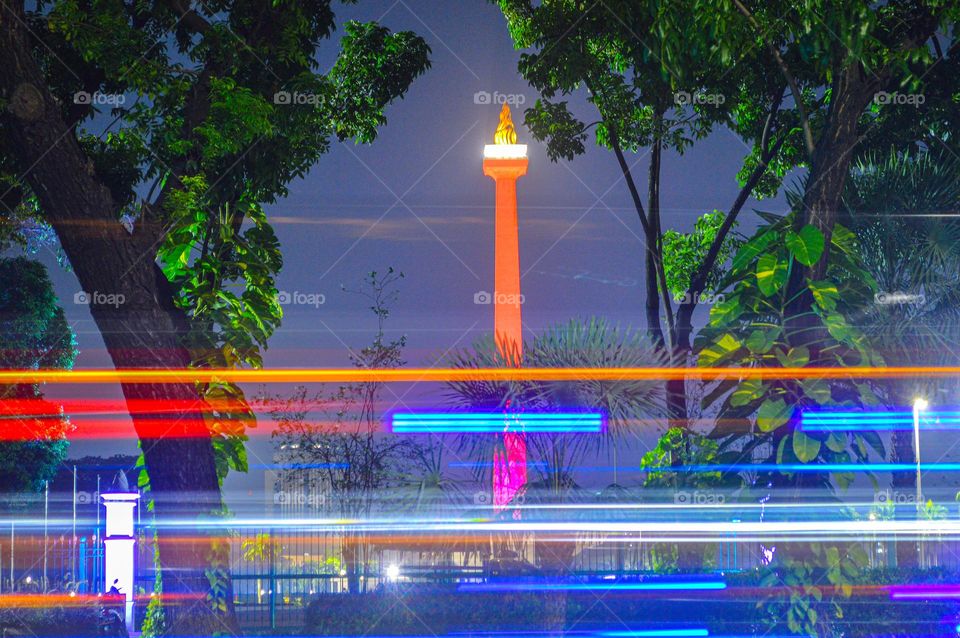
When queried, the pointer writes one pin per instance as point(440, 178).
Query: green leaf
point(771, 273)
point(772, 414)
point(816, 389)
point(794, 357)
point(723, 312)
point(761, 340)
point(748, 391)
point(838, 327)
point(750, 250)
point(825, 293)
point(806, 246)
point(805, 447)
point(844, 479)
point(718, 350)
point(836, 442)
point(843, 238)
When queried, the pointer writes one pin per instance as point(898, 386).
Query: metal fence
point(34, 562)
point(277, 571)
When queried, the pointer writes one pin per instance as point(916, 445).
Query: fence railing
point(277, 571)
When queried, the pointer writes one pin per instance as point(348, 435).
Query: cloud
point(400, 225)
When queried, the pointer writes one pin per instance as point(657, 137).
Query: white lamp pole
point(919, 405)
point(119, 544)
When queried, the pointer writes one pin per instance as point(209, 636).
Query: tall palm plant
point(904, 211)
point(554, 458)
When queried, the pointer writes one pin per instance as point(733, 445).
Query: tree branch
point(791, 81)
point(698, 281)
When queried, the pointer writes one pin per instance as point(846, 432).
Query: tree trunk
point(556, 562)
point(675, 388)
point(140, 326)
point(853, 88)
point(352, 562)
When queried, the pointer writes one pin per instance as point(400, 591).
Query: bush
point(53, 621)
point(419, 610)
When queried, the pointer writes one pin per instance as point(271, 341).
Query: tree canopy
point(33, 335)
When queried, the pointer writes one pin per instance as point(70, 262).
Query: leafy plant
point(34, 334)
point(683, 254)
point(807, 583)
point(754, 328)
point(224, 283)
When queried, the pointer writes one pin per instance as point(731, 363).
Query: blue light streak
point(897, 420)
point(496, 422)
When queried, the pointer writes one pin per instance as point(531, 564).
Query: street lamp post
point(919, 405)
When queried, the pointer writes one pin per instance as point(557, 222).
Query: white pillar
point(119, 547)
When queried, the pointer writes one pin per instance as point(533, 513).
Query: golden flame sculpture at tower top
point(506, 133)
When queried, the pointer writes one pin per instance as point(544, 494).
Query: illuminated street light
point(393, 573)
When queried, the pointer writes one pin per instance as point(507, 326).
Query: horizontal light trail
point(626, 633)
point(925, 592)
point(495, 422)
point(392, 375)
point(850, 421)
point(742, 531)
point(411, 527)
point(39, 601)
point(86, 428)
point(705, 585)
point(629, 633)
point(123, 407)
point(816, 467)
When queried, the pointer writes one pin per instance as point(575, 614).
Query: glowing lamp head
point(505, 151)
point(393, 573)
point(920, 404)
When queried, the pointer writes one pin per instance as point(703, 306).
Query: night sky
point(417, 200)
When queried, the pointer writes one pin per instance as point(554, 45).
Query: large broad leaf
point(749, 390)
point(825, 293)
point(838, 327)
point(806, 448)
point(772, 414)
point(723, 312)
point(760, 341)
point(843, 238)
point(794, 357)
point(806, 246)
point(719, 350)
point(837, 442)
point(749, 251)
point(771, 273)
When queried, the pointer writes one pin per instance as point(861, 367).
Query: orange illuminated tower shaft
point(508, 326)
point(505, 162)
